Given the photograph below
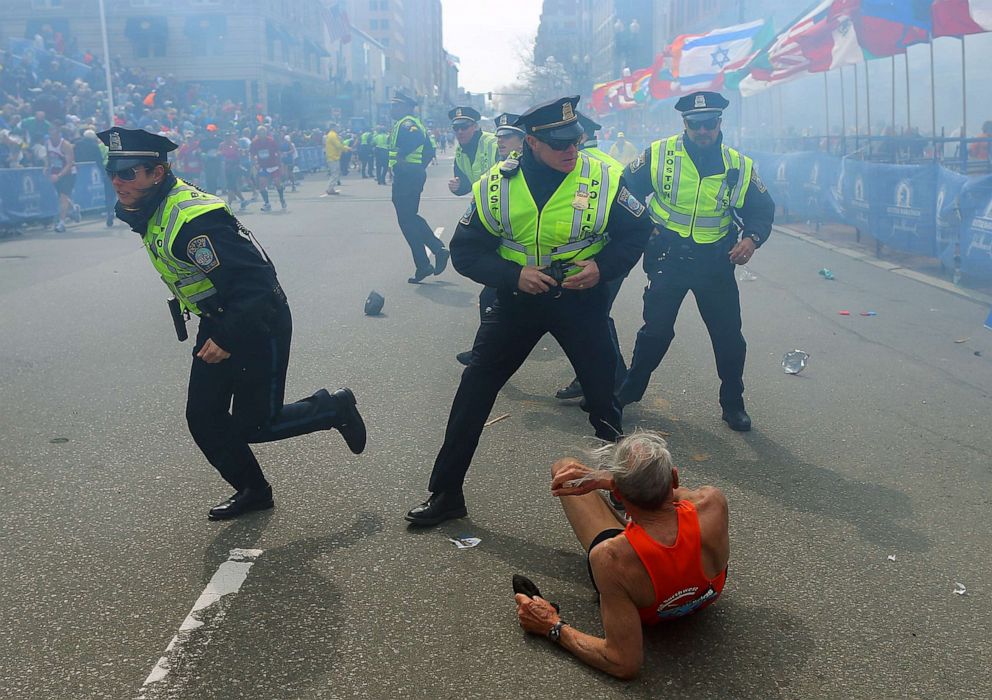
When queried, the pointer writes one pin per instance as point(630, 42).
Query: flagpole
point(106, 64)
point(933, 103)
point(826, 104)
point(909, 121)
point(843, 114)
point(857, 110)
point(868, 105)
point(893, 94)
point(964, 92)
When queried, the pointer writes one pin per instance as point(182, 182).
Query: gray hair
point(641, 466)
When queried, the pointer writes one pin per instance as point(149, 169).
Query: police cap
point(556, 119)
point(403, 99)
point(588, 125)
point(460, 115)
point(131, 147)
point(699, 106)
point(506, 125)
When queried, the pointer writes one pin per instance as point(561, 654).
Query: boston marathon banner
point(976, 228)
point(26, 195)
point(800, 183)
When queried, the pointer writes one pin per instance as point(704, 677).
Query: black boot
point(737, 419)
point(464, 357)
point(572, 391)
point(420, 274)
point(349, 422)
point(247, 499)
point(441, 260)
point(441, 506)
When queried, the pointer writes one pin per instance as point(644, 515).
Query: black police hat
point(702, 105)
point(553, 120)
point(131, 147)
point(506, 125)
point(374, 303)
point(403, 99)
point(588, 125)
point(464, 114)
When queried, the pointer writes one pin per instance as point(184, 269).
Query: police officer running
point(475, 153)
point(591, 148)
point(218, 271)
point(700, 186)
point(546, 231)
point(410, 152)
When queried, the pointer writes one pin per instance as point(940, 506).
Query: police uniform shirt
point(464, 181)
point(246, 304)
point(408, 140)
point(758, 212)
point(474, 250)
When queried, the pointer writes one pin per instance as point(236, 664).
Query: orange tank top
point(680, 586)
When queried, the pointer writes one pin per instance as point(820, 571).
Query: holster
point(179, 318)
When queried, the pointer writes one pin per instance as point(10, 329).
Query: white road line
point(439, 232)
point(207, 614)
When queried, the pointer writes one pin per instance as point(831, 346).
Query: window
point(373, 24)
point(384, 24)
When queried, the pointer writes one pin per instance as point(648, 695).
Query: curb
point(867, 258)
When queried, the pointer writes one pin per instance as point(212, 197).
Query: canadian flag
point(960, 17)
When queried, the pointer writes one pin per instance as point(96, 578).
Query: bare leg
point(589, 514)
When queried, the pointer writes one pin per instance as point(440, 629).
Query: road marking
point(207, 614)
point(439, 232)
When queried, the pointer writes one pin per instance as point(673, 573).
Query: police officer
point(410, 152)
point(218, 271)
point(365, 153)
point(475, 153)
point(547, 232)
point(380, 153)
point(509, 140)
point(699, 185)
point(591, 148)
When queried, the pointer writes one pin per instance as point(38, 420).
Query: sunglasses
point(708, 124)
point(125, 175)
point(462, 127)
point(562, 144)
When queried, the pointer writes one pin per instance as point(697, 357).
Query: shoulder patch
point(637, 164)
point(629, 202)
point(756, 181)
point(201, 253)
point(467, 216)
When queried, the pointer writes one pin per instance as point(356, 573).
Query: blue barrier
point(975, 204)
point(310, 158)
point(89, 191)
point(26, 195)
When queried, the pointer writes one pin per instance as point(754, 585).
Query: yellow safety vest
point(688, 205)
point(187, 282)
point(417, 155)
point(486, 156)
point(571, 226)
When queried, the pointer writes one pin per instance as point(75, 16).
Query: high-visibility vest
point(486, 156)
point(188, 283)
point(381, 140)
point(688, 205)
point(592, 149)
point(366, 139)
point(571, 226)
point(417, 155)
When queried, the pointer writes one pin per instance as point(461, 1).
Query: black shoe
point(464, 357)
point(572, 391)
point(441, 260)
point(441, 506)
point(523, 585)
point(738, 420)
point(421, 273)
point(350, 424)
point(244, 501)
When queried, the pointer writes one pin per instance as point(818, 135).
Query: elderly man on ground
point(666, 560)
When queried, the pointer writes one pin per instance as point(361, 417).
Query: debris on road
point(869, 313)
point(59, 440)
point(701, 457)
point(374, 303)
point(962, 340)
point(794, 361)
point(745, 275)
point(960, 589)
point(977, 353)
point(496, 420)
point(827, 274)
point(465, 542)
point(844, 313)
point(892, 557)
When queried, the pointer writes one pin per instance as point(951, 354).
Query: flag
point(701, 60)
point(887, 27)
point(612, 95)
point(662, 80)
point(822, 38)
point(337, 23)
point(960, 17)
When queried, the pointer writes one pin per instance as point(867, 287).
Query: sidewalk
point(842, 239)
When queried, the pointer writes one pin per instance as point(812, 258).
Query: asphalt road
point(880, 449)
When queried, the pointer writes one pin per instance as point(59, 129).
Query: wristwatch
point(554, 634)
point(756, 238)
